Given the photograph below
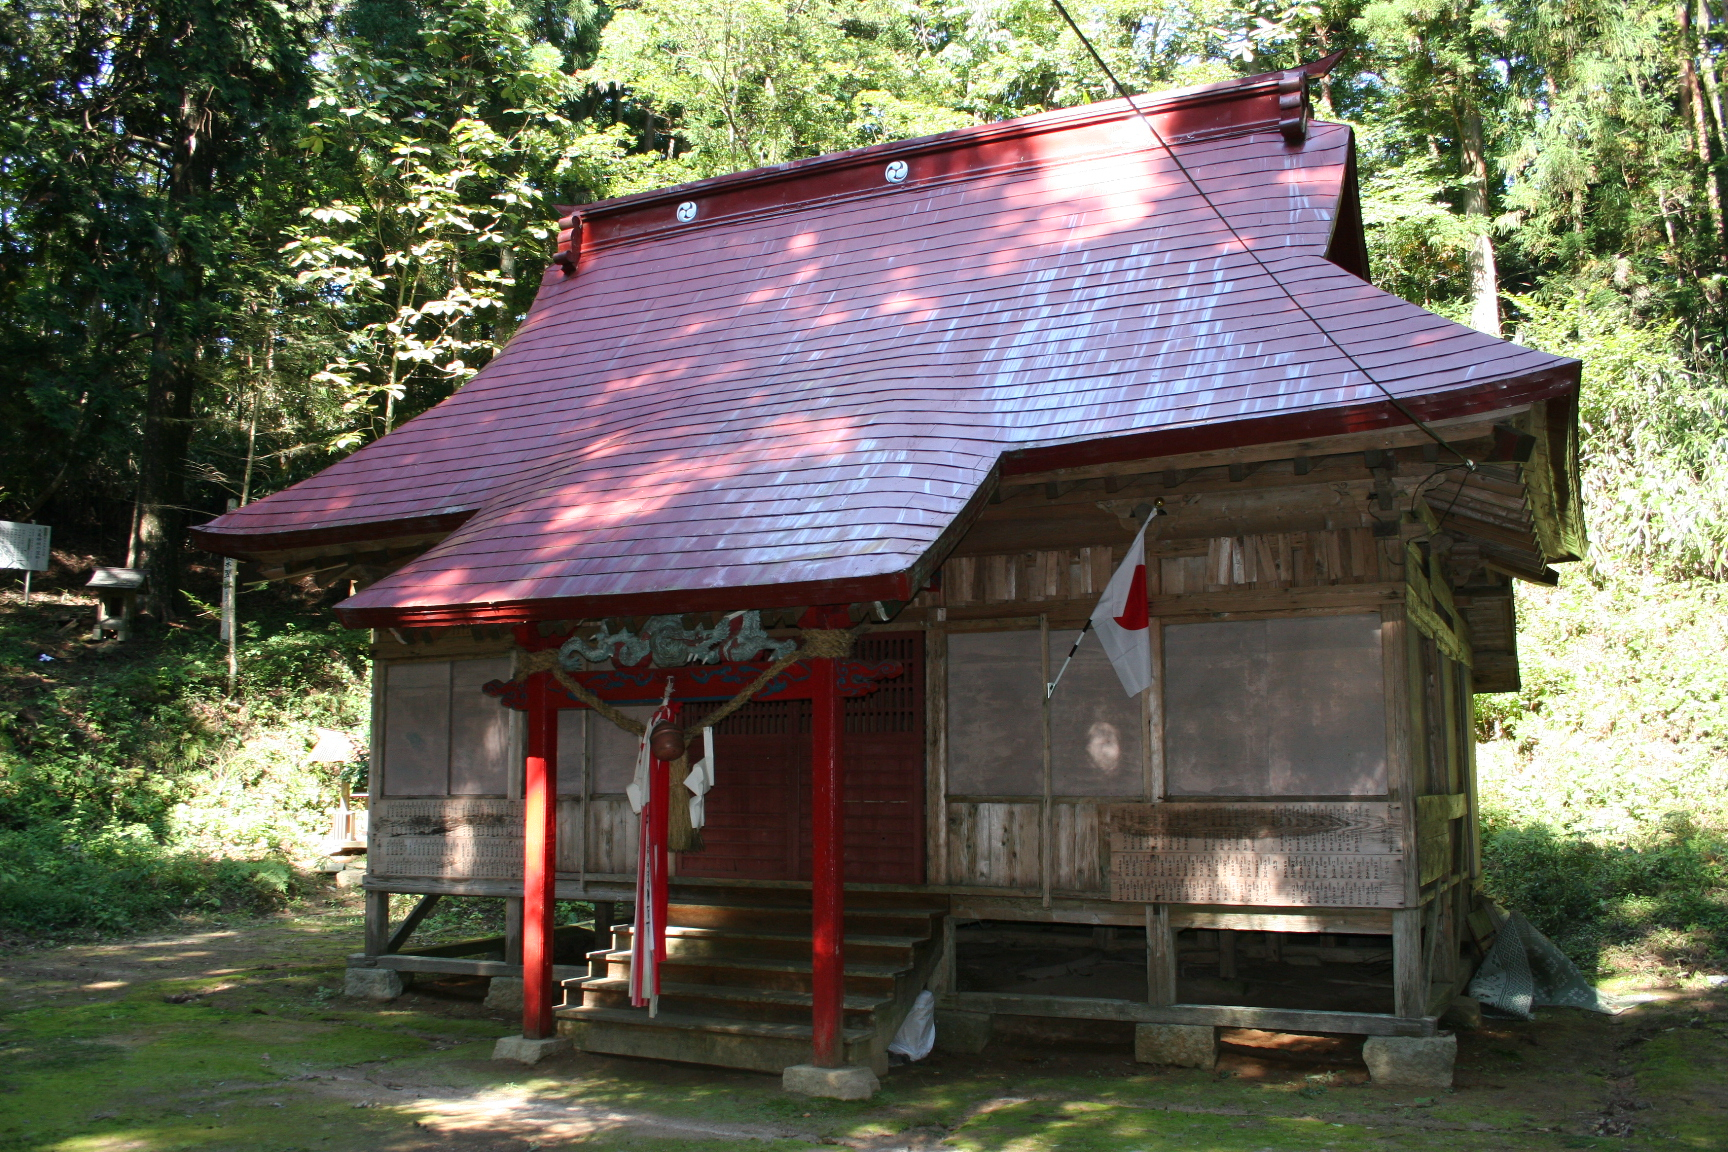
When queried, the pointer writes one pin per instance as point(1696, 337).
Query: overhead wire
point(1158, 138)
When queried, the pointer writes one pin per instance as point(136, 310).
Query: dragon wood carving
point(667, 643)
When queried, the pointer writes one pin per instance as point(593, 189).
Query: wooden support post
point(1471, 864)
point(1152, 708)
point(1226, 954)
point(947, 977)
point(827, 879)
point(602, 936)
point(512, 929)
point(1160, 956)
point(411, 922)
point(1409, 974)
point(1433, 928)
point(377, 923)
point(1046, 849)
point(605, 913)
point(539, 866)
point(936, 749)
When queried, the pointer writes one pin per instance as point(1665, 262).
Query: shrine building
point(843, 453)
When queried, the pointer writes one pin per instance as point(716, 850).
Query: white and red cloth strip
point(701, 779)
point(1123, 619)
point(649, 796)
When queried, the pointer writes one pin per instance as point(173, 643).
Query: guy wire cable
point(1158, 138)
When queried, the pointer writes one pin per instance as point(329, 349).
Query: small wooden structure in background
point(117, 592)
point(933, 390)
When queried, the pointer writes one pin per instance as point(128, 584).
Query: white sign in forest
point(24, 546)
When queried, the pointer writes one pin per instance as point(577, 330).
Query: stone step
point(762, 1046)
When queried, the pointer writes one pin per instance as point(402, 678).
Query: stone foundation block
point(1181, 1045)
point(1411, 1061)
point(504, 994)
point(967, 1033)
point(835, 1083)
point(372, 984)
point(526, 1051)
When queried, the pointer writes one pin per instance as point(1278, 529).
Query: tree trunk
point(1713, 89)
point(1484, 274)
point(160, 532)
point(1692, 95)
point(160, 524)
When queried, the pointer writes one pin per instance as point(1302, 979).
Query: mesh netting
point(1525, 971)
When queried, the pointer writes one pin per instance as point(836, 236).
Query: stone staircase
point(735, 988)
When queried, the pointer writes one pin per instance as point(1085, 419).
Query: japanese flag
point(1122, 619)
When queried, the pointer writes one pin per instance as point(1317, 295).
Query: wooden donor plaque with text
point(448, 838)
point(1325, 855)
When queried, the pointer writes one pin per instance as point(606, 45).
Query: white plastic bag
point(917, 1033)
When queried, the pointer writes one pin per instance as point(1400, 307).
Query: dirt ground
point(236, 1037)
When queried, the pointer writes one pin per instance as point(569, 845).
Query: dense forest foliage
point(237, 240)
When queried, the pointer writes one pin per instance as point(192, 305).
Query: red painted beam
point(827, 897)
point(540, 842)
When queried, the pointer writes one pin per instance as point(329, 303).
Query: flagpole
point(1050, 688)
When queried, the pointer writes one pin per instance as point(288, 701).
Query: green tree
point(739, 84)
point(145, 146)
point(449, 140)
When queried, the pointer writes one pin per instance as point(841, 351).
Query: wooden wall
point(1040, 828)
point(1004, 832)
point(446, 783)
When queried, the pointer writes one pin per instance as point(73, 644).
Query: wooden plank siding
point(1266, 562)
point(997, 844)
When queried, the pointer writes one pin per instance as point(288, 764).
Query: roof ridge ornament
point(569, 238)
point(1293, 107)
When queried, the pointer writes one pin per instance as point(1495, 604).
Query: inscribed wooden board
point(1299, 854)
point(455, 838)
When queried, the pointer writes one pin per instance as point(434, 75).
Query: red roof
point(793, 397)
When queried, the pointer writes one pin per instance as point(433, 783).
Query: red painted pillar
point(827, 844)
point(540, 843)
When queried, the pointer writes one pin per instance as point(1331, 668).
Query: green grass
point(241, 1042)
point(201, 1074)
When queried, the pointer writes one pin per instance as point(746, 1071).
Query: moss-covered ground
point(237, 1038)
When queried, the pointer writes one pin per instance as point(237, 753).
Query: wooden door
point(759, 809)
